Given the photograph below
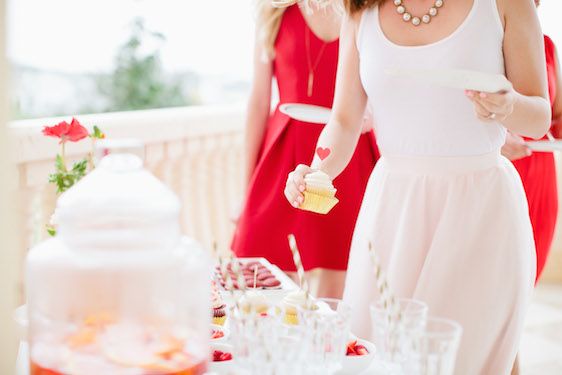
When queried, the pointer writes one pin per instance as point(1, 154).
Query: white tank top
point(414, 118)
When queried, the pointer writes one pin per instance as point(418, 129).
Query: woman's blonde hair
point(269, 18)
point(267, 25)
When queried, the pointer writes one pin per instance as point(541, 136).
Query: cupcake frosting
point(254, 301)
point(319, 179)
point(296, 298)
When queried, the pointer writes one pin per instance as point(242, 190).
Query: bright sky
point(83, 35)
point(212, 37)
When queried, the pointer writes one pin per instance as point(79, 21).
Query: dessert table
point(274, 296)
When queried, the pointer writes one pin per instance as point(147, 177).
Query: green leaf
point(97, 134)
point(51, 230)
point(63, 179)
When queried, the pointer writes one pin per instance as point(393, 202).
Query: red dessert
point(253, 270)
point(216, 334)
point(354, 349)
point(219, 356)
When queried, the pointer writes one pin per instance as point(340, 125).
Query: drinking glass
point(433, 349)
point(265, 345)
point(391, 334)
point(327, 331)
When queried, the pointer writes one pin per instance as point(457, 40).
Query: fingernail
point(300, 200)
point(295, 204)
point(470, 94)
point(301, 188)
point(483, 95)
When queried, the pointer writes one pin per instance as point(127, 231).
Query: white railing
point(197, 151)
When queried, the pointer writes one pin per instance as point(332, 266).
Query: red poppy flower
point(72, 132)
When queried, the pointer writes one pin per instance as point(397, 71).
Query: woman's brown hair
point(353, 6)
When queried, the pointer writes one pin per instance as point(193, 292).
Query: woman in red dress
point(537, 170)
point(300, 50)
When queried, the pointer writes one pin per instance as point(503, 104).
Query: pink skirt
point(455, 233)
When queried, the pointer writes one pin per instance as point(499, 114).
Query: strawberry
point(353, 349)
point(226, 357)
point(361, 350)
point(217, 334)
point(350, 350)
point(217, 355)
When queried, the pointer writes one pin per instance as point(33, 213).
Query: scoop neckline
point(316, 36)
point(443, 40)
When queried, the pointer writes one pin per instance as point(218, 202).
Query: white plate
point(455, 78)
point(358, 364)
point(544, 146)
point(306, 112)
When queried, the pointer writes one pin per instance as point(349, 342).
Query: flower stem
point(63, 155)
point(91, 155)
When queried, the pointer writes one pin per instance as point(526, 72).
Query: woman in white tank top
point(446, 213)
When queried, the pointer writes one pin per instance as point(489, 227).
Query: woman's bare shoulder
point(510, 9)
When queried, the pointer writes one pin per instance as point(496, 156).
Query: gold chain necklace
point(311, 67)
point(416, 21)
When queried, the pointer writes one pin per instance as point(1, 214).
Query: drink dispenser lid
point(119, 205)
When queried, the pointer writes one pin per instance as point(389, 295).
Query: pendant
point(310, 84)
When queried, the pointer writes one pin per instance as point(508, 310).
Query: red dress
point(267, 217)
point(538, 173)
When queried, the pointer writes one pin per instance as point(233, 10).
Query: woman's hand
point(492, 107)
point(295, 185)
point(514, 147)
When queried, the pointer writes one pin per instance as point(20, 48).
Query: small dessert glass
point(327, 331)
point(434, 348)
point(264, 344)
point(393, 329)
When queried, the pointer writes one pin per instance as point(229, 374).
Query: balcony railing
point(197, 151)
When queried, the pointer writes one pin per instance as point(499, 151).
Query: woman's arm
point(259, 106)
point(557, 107)
point(524, 110)
point(343, 130)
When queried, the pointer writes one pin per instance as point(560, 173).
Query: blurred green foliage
point(138, 80)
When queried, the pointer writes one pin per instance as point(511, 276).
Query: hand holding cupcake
point(310, 190)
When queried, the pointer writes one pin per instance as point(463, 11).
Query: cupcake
point(219, 307)
point(319, 194)
point(254, 302)
point(292, 302)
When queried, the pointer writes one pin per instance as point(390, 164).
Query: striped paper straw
point(387, 297)
point(300, 269)
point(389, 301)
point(240, 280)
point(228, 284)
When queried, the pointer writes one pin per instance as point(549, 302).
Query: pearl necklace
point(416, 21)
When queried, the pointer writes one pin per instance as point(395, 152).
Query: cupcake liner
point(321, 191)
point(291, 319)
point(321, 204)
point(219, 320)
